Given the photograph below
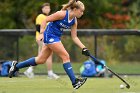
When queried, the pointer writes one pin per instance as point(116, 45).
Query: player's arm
point(53, 17)
point(56, 16)
point(74, 36)
point(77, 41)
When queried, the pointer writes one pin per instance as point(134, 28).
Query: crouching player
point(64, 19)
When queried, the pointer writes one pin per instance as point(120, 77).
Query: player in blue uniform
point(44, 12)
point(64, 19)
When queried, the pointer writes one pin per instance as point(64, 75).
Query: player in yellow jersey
point(45, 10)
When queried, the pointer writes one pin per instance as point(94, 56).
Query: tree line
point(108, 14)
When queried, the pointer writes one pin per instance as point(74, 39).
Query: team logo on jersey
point(64, 26)
point(51, 40)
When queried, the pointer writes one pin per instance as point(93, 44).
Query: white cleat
point(53, 76)
point(29, 74)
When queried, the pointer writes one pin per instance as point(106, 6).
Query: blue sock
point(26, 63)
point(68, 68)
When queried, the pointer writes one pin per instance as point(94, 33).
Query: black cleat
point(12, 69)
point(79, 82)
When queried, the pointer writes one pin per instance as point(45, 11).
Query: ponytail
point(65, 6)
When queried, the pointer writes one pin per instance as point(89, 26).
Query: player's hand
point(40, 37)
point(85, 52)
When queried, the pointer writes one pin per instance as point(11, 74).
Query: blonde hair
point(73, 4)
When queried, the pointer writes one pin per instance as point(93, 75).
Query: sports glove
point(85, 52)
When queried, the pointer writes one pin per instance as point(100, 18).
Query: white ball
point(125, 76)
point(121, 86)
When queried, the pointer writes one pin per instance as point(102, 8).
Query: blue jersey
point(54, 29)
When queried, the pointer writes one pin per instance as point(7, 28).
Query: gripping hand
point(85, 52)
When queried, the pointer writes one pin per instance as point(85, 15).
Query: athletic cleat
point(12, 69)
point(53, 76)
point(29, 74)
point(79, 82)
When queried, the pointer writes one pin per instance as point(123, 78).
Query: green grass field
point(41, 84)
point(124, 68)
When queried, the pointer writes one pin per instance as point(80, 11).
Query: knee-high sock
point(26, 63)
point(68, 68)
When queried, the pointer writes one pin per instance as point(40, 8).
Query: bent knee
point(40, 60)
point(65, 57)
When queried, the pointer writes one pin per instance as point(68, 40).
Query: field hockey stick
point(97, 61)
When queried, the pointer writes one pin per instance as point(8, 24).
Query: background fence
point(115, 46)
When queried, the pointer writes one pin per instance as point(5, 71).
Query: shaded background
point(99, 14)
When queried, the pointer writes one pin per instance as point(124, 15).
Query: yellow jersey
point(38, 22)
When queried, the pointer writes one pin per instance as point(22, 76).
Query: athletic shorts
point(50, 38)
